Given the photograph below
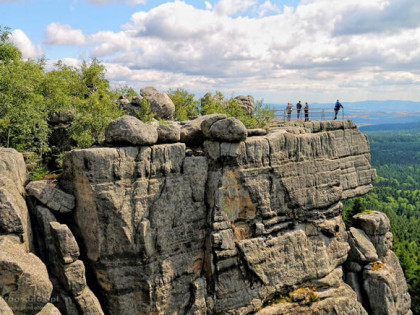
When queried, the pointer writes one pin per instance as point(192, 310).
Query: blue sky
point(315, 50)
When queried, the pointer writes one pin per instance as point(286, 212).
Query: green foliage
point(262, 116)
point(38, 173)
point(29, 96)
point(144, 113)
point(185, 106)
point(212, 105)
point(358, 206)
point(124, 91)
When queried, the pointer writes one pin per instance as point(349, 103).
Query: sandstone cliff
point(219, 227)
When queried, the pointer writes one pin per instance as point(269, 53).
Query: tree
point(357, 207)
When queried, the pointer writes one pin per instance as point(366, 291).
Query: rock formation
point(243, 223)
point(160, 103)
point(246, 103)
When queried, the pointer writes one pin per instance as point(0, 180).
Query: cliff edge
point(222, 224)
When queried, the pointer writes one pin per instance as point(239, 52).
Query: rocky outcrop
point(128, 130)
point(160, 103)
point(377, 277)
point(228, 230)
point(246, 103)
point(24, 283)
point(50, 196)
point(60, 252)
point(237, 223)
point(14, 218)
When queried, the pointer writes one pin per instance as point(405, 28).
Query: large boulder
point(128, 130)
point(65, 243)
point(386, 287)
point(24, 282)
point(361, 248)
point(170, 132)
point(192, 132)
point(14, 218)
point(228, 130)
point(160, 103)
point(246, 103)
point(50, 196)
point(373, 222)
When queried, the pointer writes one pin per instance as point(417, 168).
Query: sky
point(276, 50)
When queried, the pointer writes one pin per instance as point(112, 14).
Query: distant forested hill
point(395, 153)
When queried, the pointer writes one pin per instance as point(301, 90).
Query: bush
point(185, 106)
point(144, 113)
point(263, 114)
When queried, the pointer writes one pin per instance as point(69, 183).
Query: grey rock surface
point(192, 131)
point(49, 309)
point(373, 223)
point(88, 303)
point(24, 282)
point(246, 103)
point(66, 246)
point(227, 230)
point(63, 117)
point(361, 248)
point(4, 308)
point(341, 300)
point(256, 132)
point(168, 133)
point(228, 130)
point(160, 103)
point(128, 130)
point(50, 196)
point(386, 287)
point(14, 218)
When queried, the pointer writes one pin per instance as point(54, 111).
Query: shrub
point(144, 113)
point(185, 105)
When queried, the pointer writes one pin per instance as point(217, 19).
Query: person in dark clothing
point(306, 110)
point(337, 108)
point(298, 107)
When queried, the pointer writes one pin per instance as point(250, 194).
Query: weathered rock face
point(24, 283)
point(379, 281)
point(229, 230)
point(14, 218)
point(229, 225)
point(246, 103)
point(129, 130)
point(160, 103)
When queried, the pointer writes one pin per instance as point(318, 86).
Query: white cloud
point(208, 5)
point(59, 34)
point(268, 7)
point(311, 49)
point(25, 45)
point(230, 7)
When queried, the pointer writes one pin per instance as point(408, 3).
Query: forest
point(396, 192)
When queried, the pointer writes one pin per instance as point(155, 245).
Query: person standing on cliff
point(298, 108)
point(289, 110)
point(306, 110)
point(337, 108)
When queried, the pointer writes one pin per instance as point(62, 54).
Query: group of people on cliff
point(289, 110)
